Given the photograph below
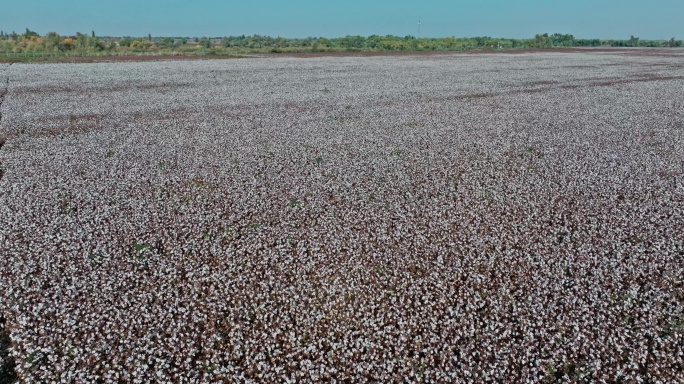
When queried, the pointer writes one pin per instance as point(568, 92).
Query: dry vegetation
point(451, 218)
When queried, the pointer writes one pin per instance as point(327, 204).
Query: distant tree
point(30, 41)
point(480, 41)
point(541, 41)
point(79, 40)
point(351, 42)
point(587, 43)
point(205, 42)
point(98, 44)
point(53, 41)
point(168, 42)
point(68, 44)
point(562, 40)
point(125, 42)
point(29, 33)
point(141, 45)
point(633, 41)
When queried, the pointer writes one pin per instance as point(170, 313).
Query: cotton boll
point(421, 220)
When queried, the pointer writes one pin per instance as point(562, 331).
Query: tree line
point(54, 43)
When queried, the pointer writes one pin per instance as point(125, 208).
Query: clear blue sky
point(647, 19)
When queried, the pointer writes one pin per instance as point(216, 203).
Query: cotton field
point(437, 218)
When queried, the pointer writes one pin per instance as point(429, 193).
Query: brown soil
point(666, 52)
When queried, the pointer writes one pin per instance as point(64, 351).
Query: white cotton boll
point(419, 215)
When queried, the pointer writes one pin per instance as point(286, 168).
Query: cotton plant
point(446, 218)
